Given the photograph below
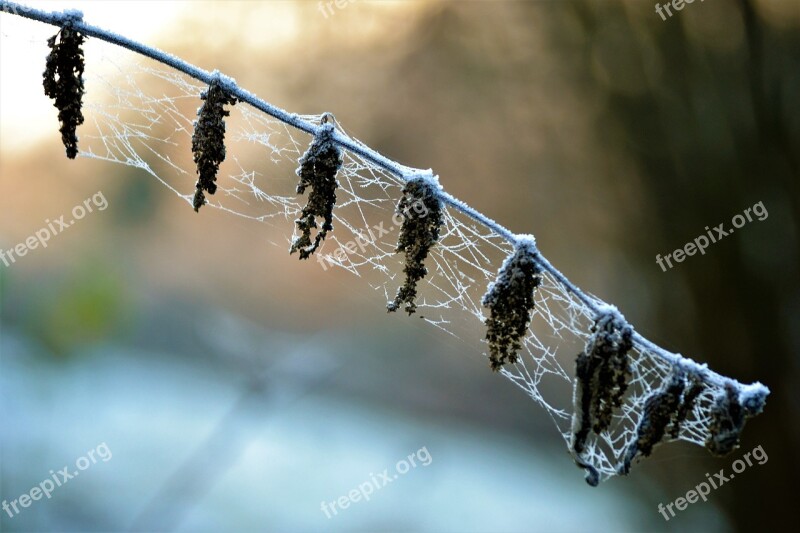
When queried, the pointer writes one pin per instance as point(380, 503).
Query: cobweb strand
point(142, 117)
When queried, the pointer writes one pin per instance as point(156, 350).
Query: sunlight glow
point(26, 114)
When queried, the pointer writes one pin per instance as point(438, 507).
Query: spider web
point(142, 116)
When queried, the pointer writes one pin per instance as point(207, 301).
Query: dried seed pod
point(696, 386)
point(613, 341)
point(583, 398)
point(727, 421)
point(732, 407)
point(208, 139)
point(421, 211)
point(602, 372)
point(63, 82)
point(318, 168)
point(510, 302)
point(660, 409)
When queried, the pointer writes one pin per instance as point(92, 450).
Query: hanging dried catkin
point(318, 168)
point(510, 302)
point(602, 372)
point(63, 82)
point(208, 140)
point(421, 211)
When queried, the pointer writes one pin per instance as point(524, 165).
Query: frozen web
point(145, 120)
point(142, 116)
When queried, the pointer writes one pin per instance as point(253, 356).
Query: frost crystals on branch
point(208, 139)
point(421, 210)
point(63, 81)
point(728, 415)
point(318, 168)
point(510, 302)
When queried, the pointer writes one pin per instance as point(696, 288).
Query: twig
point(363, 151)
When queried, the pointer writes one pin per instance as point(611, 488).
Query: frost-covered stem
point(59, 18)
point(597, 306)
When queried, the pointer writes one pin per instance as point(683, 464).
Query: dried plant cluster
point(318, 168)
point(660, 409)
point(603, 370)
point(510, 303)
point(421, 210)
point(667, 409)
point(63, 82)
point(695, 387)
point(208, 140)
point(602, 373)
point(730, 411)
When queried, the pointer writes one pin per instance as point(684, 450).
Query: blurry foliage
point(135, 198)
point(84, 306)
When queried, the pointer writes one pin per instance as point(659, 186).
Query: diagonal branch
point(755, 391)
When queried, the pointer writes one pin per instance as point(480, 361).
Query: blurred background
point(238, 388)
